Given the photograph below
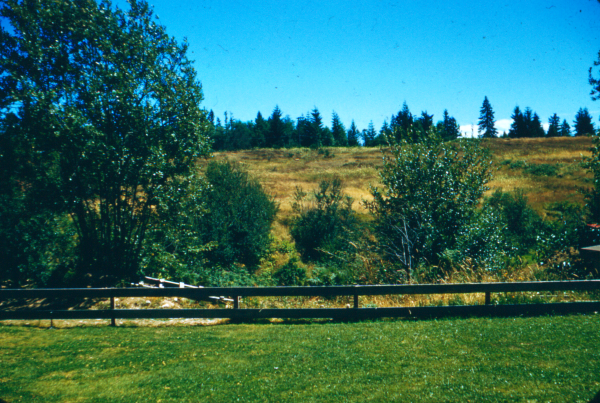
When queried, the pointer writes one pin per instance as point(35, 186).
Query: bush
point(238, 216)
point(431, 191)
point(523, 224)
point(290, 274)
point(325, 223)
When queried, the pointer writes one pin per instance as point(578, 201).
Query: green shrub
point(238, 217)
point(431, 190)
point(325, 223)
point(290, 274)
point(542, 169)
point(523, 224)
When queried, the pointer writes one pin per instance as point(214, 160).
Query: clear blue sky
point(363, 59)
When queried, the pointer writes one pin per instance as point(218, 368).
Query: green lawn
point(544, 359)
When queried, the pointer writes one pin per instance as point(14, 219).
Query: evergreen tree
point(554, 128)
point(448, 128)
point(487, 128)
point(353, 135)
point(260, 131)
point(517, 127)
point(402, 123)
point(583, 123)
point(536, 129)
point(338, 131)
point(275, 136)
point(565, 129)
point(384, 134)
point(424, 124)
point(315, 129)
point(369, 135)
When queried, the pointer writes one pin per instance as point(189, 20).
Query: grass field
point(544, 359)
point(547, 169)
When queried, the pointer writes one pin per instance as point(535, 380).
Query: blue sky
point(363, 59)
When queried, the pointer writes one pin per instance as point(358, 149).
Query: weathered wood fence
point(352, 313)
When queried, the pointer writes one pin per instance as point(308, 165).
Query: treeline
point(310, 130)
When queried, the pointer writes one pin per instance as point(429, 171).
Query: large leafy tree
point(487, 128)
point(430, 194)
point(102, 109)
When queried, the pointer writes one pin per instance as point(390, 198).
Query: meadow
point(546, 169)
point(529, 359)
point(542, 359)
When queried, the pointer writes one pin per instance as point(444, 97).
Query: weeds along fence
point(354, 312)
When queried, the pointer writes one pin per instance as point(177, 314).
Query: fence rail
point(337, 313)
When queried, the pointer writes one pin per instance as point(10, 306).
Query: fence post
point(488, 298)
point(236, 302)
point(356, 306)
point(113, 321)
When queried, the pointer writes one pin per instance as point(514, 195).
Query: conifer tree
point(517, 127)
point(338, 131)
point(487, 128)
point(448, 128)
point(369, 135)
point(402, 123)
point(554, 128)
point(583, 123)
point(565, 129)
point(275, 136)
point(353, 135)
point(260, 131)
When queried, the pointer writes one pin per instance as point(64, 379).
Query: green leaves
point(430, 192)
point(108, 107)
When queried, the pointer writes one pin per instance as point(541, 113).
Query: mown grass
point(543, 359)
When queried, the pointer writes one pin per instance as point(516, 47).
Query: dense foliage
point(325, 224)
point(238, 216)
point(100, 120)
point(430, 193)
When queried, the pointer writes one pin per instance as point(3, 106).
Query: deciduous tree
point(107, 109)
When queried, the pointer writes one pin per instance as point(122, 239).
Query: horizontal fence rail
point(336, 313)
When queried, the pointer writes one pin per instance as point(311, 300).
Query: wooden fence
point(351, 313)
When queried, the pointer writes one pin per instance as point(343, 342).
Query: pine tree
point(554, 128)
point(536, 129)
point(517, 127)
point(583, 123)
point(384, 134)
point(315, 129)
point(338, 131)
point(402, 123)
point(448, 129)
point(369, 135)
point(424, 124)
point(260, 131)
point(353, 134)
point(275, 136)
point(487, 128)
point(565, 129)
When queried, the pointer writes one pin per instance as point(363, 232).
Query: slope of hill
point(547, 169)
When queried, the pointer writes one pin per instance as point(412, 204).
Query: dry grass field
point(547, 169)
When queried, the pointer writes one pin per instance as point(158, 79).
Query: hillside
point(547, 169)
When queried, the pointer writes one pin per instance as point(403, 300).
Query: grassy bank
point(553, 359)
point(547, 169)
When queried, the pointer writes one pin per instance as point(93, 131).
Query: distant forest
point(310, 130)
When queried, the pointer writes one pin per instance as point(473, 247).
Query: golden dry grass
point(281, 171)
